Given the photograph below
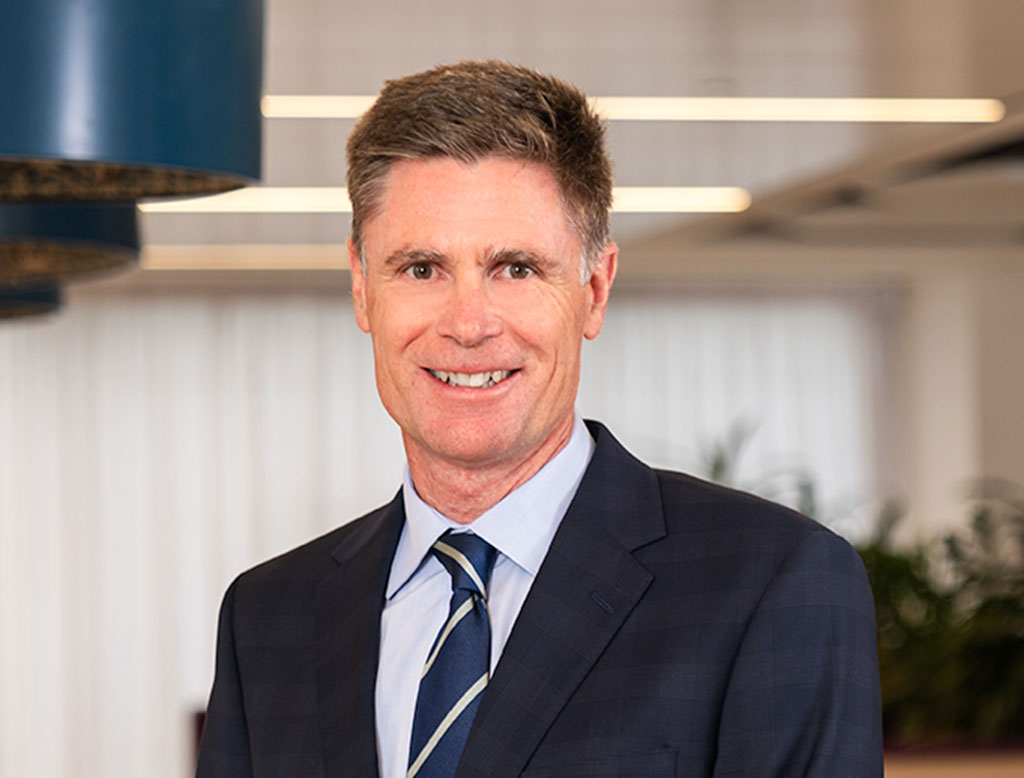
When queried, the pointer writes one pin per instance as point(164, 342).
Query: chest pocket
point(655, 764)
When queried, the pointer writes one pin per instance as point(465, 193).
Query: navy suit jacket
point(675, 628)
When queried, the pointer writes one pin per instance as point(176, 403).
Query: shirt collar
point(521, 526)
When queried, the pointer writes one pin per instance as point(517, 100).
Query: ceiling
point(962, 190)
point(843, 48)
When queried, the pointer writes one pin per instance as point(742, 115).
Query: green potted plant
point(951, 629)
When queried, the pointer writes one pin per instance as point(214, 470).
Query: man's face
point(472, 294)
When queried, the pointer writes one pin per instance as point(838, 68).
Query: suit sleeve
point(224, 749)
point(803, 698)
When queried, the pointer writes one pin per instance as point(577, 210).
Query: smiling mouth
point(472, 380)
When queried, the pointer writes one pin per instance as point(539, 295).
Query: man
point(598, 618)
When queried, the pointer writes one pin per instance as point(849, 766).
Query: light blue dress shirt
point(521, 527)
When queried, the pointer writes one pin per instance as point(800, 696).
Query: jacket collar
point(586, 587)
point(347, 642)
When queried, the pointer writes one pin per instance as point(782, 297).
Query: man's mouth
point(472, 380)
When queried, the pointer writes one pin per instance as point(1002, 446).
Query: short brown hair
point(471, 110)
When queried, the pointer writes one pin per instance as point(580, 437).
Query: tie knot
point(468, 560)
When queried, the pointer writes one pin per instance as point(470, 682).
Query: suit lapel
point(347, 642)
point(587, 585)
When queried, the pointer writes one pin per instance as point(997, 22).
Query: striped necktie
point(458, 665)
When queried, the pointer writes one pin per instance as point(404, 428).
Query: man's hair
point(471, 110)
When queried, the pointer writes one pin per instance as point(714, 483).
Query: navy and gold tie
point(458, 665)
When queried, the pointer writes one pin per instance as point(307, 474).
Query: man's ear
point(600, 286)
point(358, 287)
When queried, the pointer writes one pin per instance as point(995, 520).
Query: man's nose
point(469, 316)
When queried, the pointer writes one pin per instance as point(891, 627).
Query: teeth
point(474, 380)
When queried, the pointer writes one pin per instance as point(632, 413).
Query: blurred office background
point(858, 330)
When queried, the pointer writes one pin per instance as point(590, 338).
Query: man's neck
point(463, 492)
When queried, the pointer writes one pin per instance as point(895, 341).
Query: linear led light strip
point(706, 109)
point(334, 199)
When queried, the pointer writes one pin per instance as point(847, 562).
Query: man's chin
point(468, 446)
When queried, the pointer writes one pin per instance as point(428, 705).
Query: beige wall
point(1000, 344)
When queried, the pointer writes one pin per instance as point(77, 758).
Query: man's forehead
point(449, 199)
point(449, 171)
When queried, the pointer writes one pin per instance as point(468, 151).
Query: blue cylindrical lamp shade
point(33, 300)
point(129, 98)
point(41, 242)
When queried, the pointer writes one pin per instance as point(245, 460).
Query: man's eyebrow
point(519, 256)
point(412, 256)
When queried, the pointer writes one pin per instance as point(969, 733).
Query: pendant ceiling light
point(121, 99)
point(42, 242)
point(32, 300)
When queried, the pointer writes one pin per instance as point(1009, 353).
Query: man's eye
point(518, 270)
point(421, 270)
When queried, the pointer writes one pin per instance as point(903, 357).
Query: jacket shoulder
point(741, 534)
point(316, 557)
point(697, 514)
point(724, 507)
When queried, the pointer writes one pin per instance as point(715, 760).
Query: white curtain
point(799, 374)
point(151, 447)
